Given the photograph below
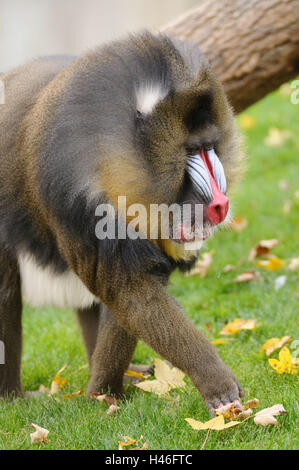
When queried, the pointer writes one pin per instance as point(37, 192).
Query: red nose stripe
point(218, 208)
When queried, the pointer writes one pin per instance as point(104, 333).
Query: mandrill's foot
point(221, 388)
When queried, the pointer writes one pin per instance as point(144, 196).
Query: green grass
point(52, 338)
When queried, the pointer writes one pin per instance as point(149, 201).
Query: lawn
point(52, 337)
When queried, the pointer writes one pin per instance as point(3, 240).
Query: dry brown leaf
point(57, 382)
point(40, 434)
point(274, 343)
point(263, 248)
point(237, 325)
point(202, 265)
point(294, 264)
point(104, 398)
point(248, 276)
point(253, 403)
point(265, 420)
point(238, 224)
point(233, 412)
point(228, 268)
point(166, 379)
point(112, 410)
point(265, 417)
point(218, 424)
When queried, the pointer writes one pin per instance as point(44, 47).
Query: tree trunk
point(253, 45)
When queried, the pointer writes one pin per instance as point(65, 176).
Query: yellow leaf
point(132, 373)
point(237, 325)
point(74, 394)
point(285, 363)
point(129, 441)
point(40, 434)
point(274, 343)
point(57, 382)
point(166, 379)
point(238, 224)
point(247, 122)
point(217, 342)
point(276, 137)
point(218, 424)
point(273, 264)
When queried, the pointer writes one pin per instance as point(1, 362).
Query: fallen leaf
point(265, 420)
point(274, 410)
point(238, 224)
point(202, 265)
point(237, 325)
point(280, 282)
point(248, 276)
point(285, 363)
point(263, 248)
point(233, 412)
point(294, 264)
point(218, 423)
point(112, 410)
point(276, 137)
point(218, 342)
point(74, 394)
point(40, 434)
point(275, 343)
point(57, 382)
point(166, 379)
point(273, 264)
point(139, 375)
point(253, 403)
point(265, 417)
point(228, 268)
point(247, 122)
point(104, 398)
point(129, 441)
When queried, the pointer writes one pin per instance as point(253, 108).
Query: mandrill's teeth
point(192, 246)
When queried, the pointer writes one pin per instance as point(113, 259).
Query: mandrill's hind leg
point(112, 355)
point(10, 325)
point(89, 319)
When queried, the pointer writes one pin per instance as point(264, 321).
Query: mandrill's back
point(21, 89)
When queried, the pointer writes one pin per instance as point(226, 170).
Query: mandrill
point(143, 118)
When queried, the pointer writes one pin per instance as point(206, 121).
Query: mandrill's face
point(174, 140)
point(189, 141)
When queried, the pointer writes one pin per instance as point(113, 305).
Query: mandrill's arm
point(147, 311)
point(142, 309)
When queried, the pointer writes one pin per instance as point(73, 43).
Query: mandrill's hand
point(220, 386)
